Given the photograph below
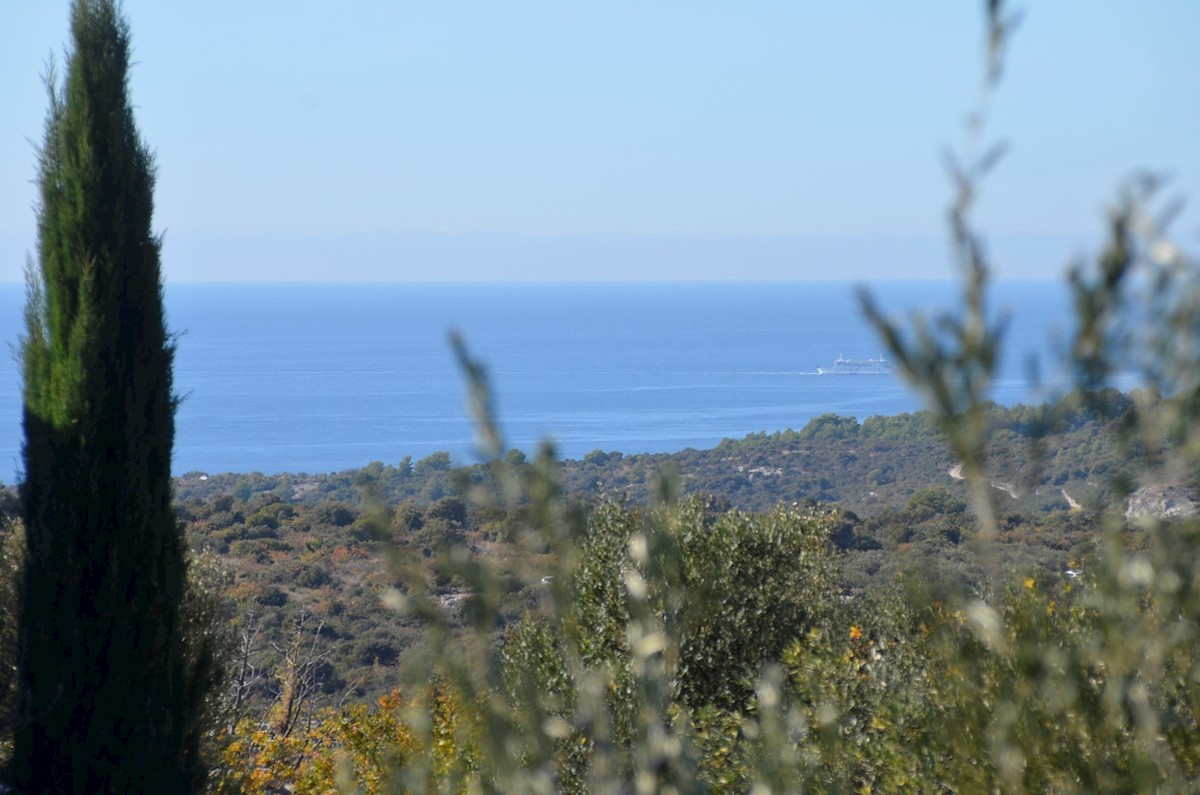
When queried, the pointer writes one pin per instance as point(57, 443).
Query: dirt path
point(956, 473)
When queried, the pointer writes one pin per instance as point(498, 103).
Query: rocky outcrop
point(1161, 502)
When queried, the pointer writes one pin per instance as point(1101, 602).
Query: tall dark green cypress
point(108, 695)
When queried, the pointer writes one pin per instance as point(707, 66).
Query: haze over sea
point(322, 377)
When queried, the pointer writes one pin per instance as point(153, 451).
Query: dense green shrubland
point(293, 548)
point(881, 462)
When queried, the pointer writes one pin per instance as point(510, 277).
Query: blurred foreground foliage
point(686, 648)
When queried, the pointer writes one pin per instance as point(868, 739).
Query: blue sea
point(323, 377)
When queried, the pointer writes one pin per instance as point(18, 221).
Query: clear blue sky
point(385, 140)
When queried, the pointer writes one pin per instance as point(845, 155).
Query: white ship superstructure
point(844, 366)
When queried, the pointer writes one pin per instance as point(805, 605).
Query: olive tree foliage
point(644, 664)
point(1092, 684)
point(739, 589)
point(1086, 683)
point(729, 593)
point(648, 634)
point(951, 360)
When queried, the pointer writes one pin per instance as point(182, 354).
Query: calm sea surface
point(322, 377)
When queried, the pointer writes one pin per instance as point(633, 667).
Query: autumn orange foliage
point(371, 747)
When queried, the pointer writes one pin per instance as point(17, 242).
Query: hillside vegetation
point(1035, 454)
point(303, 553)
point(871, 618)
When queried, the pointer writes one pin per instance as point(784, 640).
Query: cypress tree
point(108, 693)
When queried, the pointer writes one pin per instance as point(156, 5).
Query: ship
point(845, 366)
